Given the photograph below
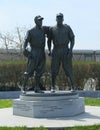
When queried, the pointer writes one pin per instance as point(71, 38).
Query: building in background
point(78, 55)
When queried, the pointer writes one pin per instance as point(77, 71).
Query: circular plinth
point(48, 95)
point(48, 105)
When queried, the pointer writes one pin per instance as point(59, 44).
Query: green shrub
point(85, 70)
point(12, 75)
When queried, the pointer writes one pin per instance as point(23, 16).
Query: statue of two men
point(62, 38)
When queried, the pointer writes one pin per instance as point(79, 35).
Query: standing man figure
point(63, 41)
point(36, 57)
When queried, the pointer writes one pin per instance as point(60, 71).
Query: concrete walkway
point(90, 117)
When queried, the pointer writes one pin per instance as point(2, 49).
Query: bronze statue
point(36, 57)
point(62, 37)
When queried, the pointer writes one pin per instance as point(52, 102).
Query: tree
point(13, 40)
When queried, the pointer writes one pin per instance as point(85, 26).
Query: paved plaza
point(90, 117)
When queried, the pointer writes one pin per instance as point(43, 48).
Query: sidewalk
point(90, 117)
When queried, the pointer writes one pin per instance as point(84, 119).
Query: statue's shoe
point(38, 90)
point(52, 90)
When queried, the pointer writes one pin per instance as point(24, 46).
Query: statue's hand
point(70, 53)
point(49, 53)
point(27, 53)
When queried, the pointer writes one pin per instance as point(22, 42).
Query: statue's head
point(59, 18)
point(59, 15)
point(38, 20)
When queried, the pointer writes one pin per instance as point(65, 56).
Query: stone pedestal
point(48, 105)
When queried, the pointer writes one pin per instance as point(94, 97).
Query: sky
point(83, 16)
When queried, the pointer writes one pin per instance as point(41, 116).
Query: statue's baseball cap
point(38, 18)
point(59, 15)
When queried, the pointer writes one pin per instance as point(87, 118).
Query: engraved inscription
point(23, 107)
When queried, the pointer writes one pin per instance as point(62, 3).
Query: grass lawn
point(22, 128)
point(93, 127)
point(92, 101)
point(5, 103)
